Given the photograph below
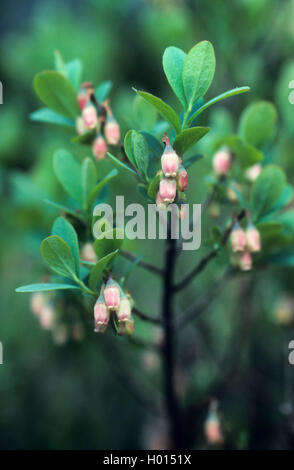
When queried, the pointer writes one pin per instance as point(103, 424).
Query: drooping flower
point(99, 147)
point(124, 311)
point(112, 294)
point(252, 239)
point(212, 425)
point(101, 315)
point(83, 97)
point(182, 179)
point(112, 131)
point(238, 238)
point(167, 189)
point(88, 253)
point(169, 160)
point(253, 172)
point(160, 202)
point(90, 117)
point(37, 302)
point(47, 316)
point(245, 261)
point(222, 161)
point(80, 126)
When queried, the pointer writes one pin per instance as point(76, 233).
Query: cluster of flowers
point(174, 176)
point(244, 243)
point(113, 299)
point(43, 307)
point(97, 117)
point(222, 163)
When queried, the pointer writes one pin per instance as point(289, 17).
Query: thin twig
point(145, 317)
point(143, 264)
point(211, 255)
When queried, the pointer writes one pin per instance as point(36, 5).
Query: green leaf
point(155, 146)
point(266, 190)
point(216, 99)
point(49, 116)
point(246, 154)
point(120, 163)
point(95, 191)
point(164, 109)
point(57, 93)
point(141, 153)
point(153, 187)
point(188, 137)
point(45, 287)
point(198, 71)
point(103, 246)
point(89, 178)
point(74, 72)
point(57, 254)
point(59, 63)
point(144, 113)
point(191, 160)
point(97, 270)
point(269, 229)
point(68, 172)
point(258, 122)
point(85, 139)
point(103, 90)
point(128, 146)
point(284, 258)
point(63, 229)
point(63, 208)
point(173, 62)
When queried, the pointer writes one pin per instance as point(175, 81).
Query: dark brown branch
point(143, 264)
point(145, 317)
point(211, 255)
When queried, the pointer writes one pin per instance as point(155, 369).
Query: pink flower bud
point(80, 126)
point(126, 327)
point(222, 162)
point(238, 238)
point(160, 202)
point(124, 311)
point(182, 212)
point(101, 315)
point(167, 190)
point(245, 261)
point(83, 98)
point(88, 253)
point(112, 294)
point(99, 147)
point(182, 179)
point(60, 334)
point(112, 131)
point(232, 192)
point(253, 239)
point(169, 160)
point(90, 117)
point(47, 317)
point(212, 429)
point(253, 172)
point(37, 302)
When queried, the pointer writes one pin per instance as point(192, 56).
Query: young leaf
point(128, 146)
point(120, 163)
point(85, 139)
point(63, 229)
point(153, 187)
point(57, 254)
point(89, 177)
point(74, 72)
point(164, 109)
point(191, 160)
point(56, 92)
point(59, 63)
point(188, 137)
point(68, 172)
point(257, 123)
point(198, 71)
point(49, 116)
point(103, 245)
point(97, 270)
point(173, 62)
point(102, 90)
point(95, 191)
point(266, 190)
point(141, 152)
point(216, 99)
point(45, 287)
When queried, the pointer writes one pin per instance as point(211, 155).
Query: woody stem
point(168, 351)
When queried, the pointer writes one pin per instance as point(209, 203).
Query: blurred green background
point(74, 396)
